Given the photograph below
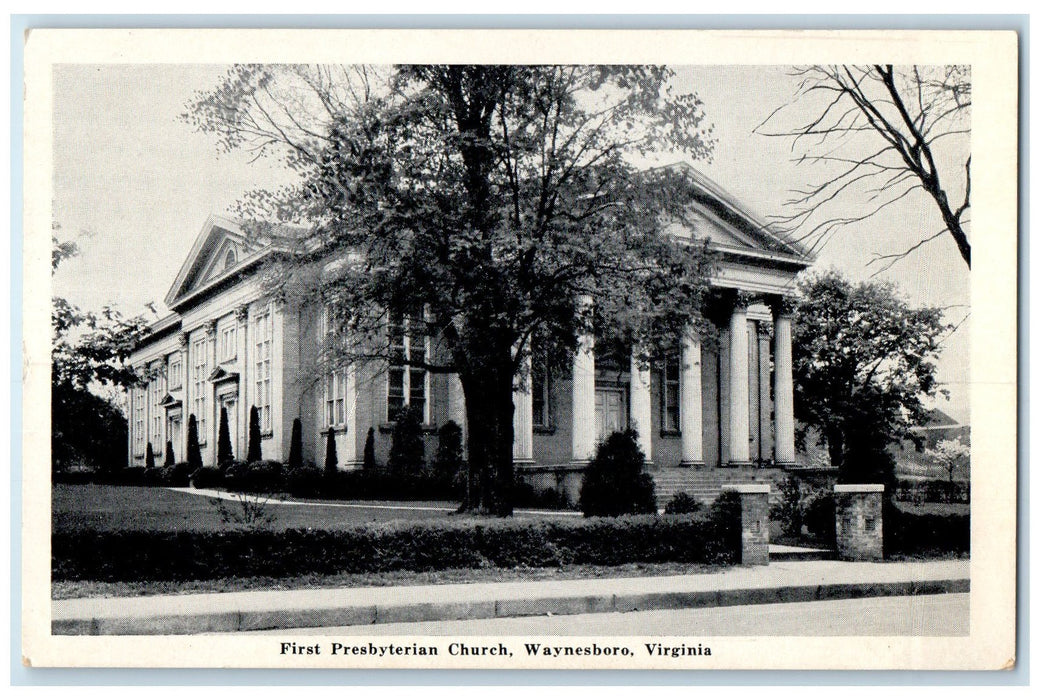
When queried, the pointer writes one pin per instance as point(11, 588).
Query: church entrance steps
point(706, 483)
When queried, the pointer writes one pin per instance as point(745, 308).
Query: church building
point(713, 411)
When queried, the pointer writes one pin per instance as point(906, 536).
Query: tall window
point(228, 343)
point(336, 398)
point(407, 385)
point(139, 427)
point(155, 387)
point(263, 334)
point(540, 393)
point(670, 393)
point(175, 374)
point(199, 366)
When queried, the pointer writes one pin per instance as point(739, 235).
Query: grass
point(63, 590)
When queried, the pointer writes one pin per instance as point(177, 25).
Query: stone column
point(242, 316)
point(348, 456)
point(523, 414)
point(186, 389)
point(690, 413)
point(640, 414)
point(754, 395)
point(765, 422)
point(857, 521)
point(211, 390)
point(783, 387)
point(754, 522)
point(583, 398)
point(739, 453)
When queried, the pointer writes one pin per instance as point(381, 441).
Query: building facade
point(722, 404)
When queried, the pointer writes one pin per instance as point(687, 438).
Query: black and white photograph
point(473, 349)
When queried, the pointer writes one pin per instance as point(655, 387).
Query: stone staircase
point(706, 483)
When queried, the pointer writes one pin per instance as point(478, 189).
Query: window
point(229, 259)
point(228, 343)
point(155, 388)
point(139, 427)
point(263, 333)
point(541, 388)
point(175, 374)
point(406, 385)
point(199, 365)
point(670, 393)
point(336, 380)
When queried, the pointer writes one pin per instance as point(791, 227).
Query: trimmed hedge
point(926, 534)
point(416, 546)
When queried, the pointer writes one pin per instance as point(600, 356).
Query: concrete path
point(780, 582)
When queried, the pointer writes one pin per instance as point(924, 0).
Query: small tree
point(194, 451)
point(296, 445)
point(448, 461)
point(369, 462)
point(949, 454)
point(149, 458)
point(254, 454)
point(225, 456)
point(407, 451)
point(169, 461)
point(331, 460)
point(615, 482)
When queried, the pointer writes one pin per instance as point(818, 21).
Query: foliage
point(863, 362)
point(949, 454)
point(525, 496)
point(615, 482)
point(407, 449)
point(149, 457)
point(296, 446)
point(245, 510)
point(448, 461)
point(787, 511)
point(907, 533)
point(170, 459)
point(206, 477)
point(253, 453)
point(331, 460)
point(364, 484)
point(255, 477)
point(86, 430)
point(224, 453)
point(818, 515)
point(495, 198)
point(194, 451)
point(683, 503)
point(879, 135)
point(133, 555)
point(369, 456)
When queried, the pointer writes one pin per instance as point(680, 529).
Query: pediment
point(220, 250)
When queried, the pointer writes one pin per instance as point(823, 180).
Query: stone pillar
point(765, 419)
point(640, 413)
point(186, 403)
point(457, 404)
point(211, 391)
point(754, 395)
point(783, 388)
point(690, 413)
point(242, 316)
point(583, 398)
point(739, 453)
point(857, 521)
point(523, 412)
point(754, 522)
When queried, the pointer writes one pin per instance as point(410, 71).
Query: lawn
point(155, 508)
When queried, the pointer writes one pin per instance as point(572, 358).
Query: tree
point(368, 462)
point(863, 362)
point(194, 451)
point(253, 453)
point(407, 451)
point(170, 459)
point(225, 456)
point(949, 454)
point(149, 457)
point(331, 460)
point(296, 445)
point(480, 207)
point(448, 461)
point(879, 134)
point(615, 482)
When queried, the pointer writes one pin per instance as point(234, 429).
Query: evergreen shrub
point(615, 482)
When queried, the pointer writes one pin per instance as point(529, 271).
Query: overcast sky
point(134, 185)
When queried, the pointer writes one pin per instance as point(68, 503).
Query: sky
point(134, 184)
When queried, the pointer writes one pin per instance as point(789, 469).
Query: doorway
point(611, 415)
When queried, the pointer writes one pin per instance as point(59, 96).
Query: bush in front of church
point(616, 482)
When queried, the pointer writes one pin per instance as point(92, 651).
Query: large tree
point(864, 362)
point(879, 135)
point(481, 207)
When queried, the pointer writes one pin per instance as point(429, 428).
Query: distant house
point(911, 459)
point(225, 345)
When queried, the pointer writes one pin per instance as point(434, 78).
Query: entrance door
point(610, 412)
point(229, 403)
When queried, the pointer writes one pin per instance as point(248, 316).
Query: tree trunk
point(489, 416)
point(835, 446)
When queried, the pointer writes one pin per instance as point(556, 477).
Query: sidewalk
point(780, 582)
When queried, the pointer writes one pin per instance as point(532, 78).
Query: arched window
point(229, 259)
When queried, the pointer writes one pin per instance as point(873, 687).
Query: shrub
point(170, 460)
point(177, 474)
point(928, 534)
point(206, 477)
point(224, 453)
point(296, 446)
point(306, 482)
point(683, 503)
point(369, 459)
point(788, 512)
point(149, 458)
point(255, 477)
point(615, 482)
point(331, 460)
point(86, 554)
point(447, 463)
point(818, 513)
point(253, 453)
point(407, 451)
point(194, 451)
point(370, 485)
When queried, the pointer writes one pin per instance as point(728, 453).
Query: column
point(765, 422)
point(457, 404)
point(211, 402)
point(783, 386)
point(348, 454)
point(690, 412)
point(186, 388)
point(738, 386)
point(640, 414)
point(242, 439)
point(583, 398)
point(523, 417)
point(754, 397)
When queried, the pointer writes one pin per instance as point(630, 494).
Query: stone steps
point(706, 483)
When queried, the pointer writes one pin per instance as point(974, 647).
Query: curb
point(359, 615)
